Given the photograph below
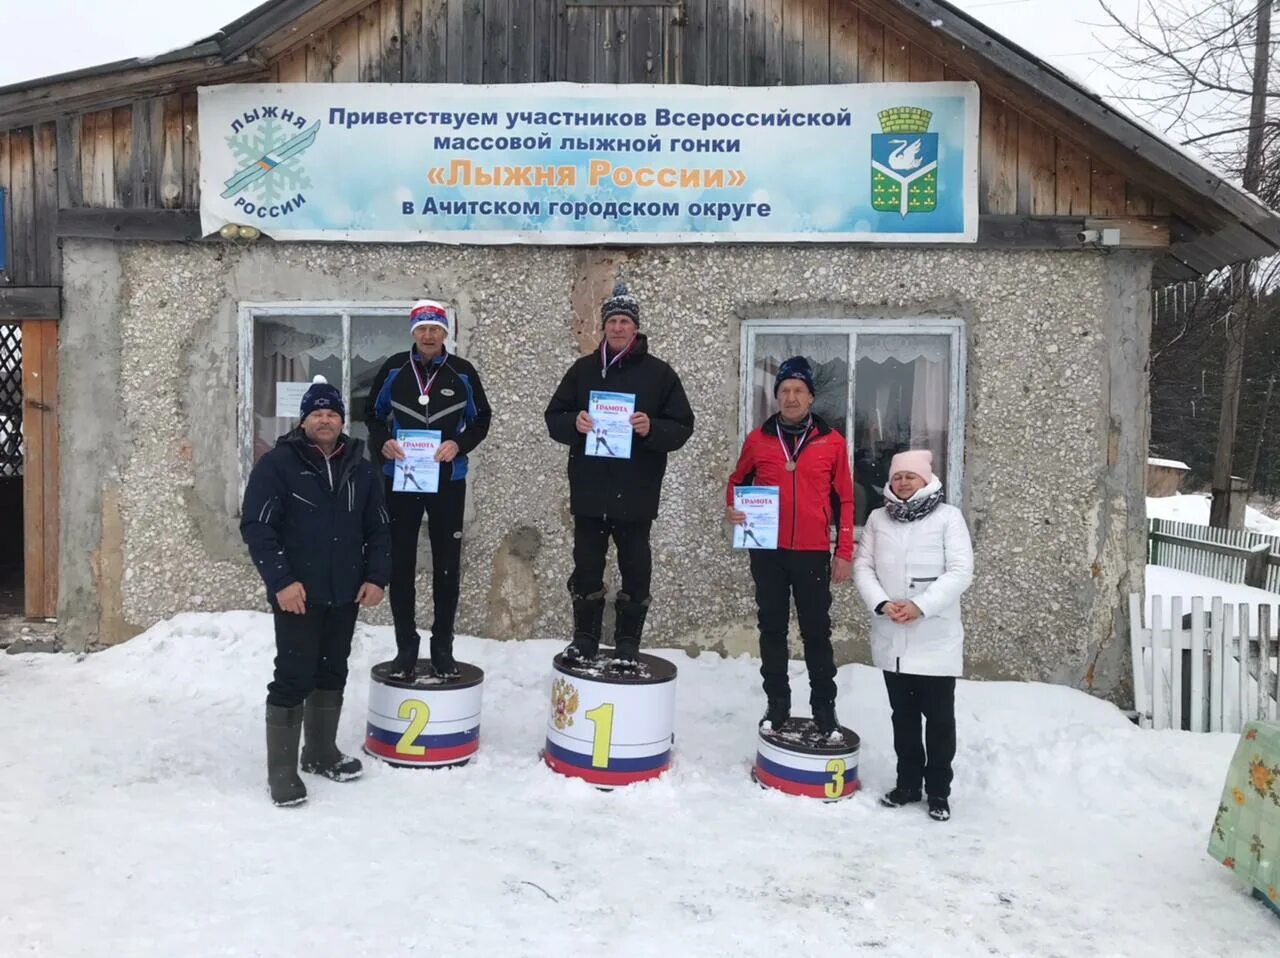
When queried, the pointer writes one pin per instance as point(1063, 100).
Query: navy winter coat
point(318, 522)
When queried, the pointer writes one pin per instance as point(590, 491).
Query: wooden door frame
point(40, 467)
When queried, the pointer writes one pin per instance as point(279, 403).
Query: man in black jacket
point(427, 387)
point(314, 522)
point(611, 497)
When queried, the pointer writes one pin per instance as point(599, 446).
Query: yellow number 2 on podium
point(602, 717)
point(418, 714)
point(835, 787)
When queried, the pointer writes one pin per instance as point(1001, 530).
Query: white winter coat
point(929, 562)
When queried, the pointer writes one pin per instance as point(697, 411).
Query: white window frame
point(342, 309)
point(852, 328)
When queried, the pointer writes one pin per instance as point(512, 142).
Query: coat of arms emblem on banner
point(904, 162)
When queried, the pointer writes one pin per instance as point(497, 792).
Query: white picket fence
point(1211, 673)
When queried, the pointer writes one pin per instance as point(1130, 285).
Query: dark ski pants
point(591, 536)
point(932, 698)
point(779, 575)
point(443, 511)
point(311, 652)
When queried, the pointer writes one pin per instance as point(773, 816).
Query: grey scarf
point(913, 510)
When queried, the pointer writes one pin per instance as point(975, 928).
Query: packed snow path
point(135, 821)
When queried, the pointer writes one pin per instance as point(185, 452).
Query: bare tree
point(1203, 71)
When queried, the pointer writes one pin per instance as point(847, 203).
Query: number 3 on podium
point(835, 787)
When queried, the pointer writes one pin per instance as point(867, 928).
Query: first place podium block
point(611, 726)
point(424, 722)
point(799, 760)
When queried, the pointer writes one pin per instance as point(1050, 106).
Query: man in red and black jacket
point(808, 461)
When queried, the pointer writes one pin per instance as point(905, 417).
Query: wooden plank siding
point(40, 475)
point(145, 154)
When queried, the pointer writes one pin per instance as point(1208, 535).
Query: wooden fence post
point(1256, 565)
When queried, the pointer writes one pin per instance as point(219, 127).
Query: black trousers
point(591, 536)
point(933, 698)
point(779, 575)
point(443, 510)
point(311, 652)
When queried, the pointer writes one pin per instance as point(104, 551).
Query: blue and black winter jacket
point(457, 406)
point(316, 521)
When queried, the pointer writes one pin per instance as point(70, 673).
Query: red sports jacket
point(820, 486)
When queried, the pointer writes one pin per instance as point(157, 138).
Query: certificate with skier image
point(418, 471)
point(610, 414)
point(760, 503)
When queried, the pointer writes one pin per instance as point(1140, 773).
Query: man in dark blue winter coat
point(318, 532)
point(427, 387)
point(611, 497)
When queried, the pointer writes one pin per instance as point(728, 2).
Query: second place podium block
point(424, 722)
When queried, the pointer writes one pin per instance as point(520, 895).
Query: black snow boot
point(284, 728)
point(442, 661)
point(320, 754)
point(405, 664)
point(588, 621)
point(777, 712)
point(824, 717)
point(939, 809)
point(629, 616)
point(900, 796)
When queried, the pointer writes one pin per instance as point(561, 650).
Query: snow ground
point(1194, 508)
point(135, 819)
point(1168, 583)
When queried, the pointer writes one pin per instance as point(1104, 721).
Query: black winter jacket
point(321, 524)
point(626, 489)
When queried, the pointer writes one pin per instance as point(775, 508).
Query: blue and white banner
point(564, 163)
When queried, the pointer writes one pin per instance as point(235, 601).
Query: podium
point(610, 726)
point(799, 760)
point(426, 721)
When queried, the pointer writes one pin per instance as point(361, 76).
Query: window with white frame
point(884, 385)
point(284, 346)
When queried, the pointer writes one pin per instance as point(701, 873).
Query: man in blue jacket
point(318, 532)
point(427, 387)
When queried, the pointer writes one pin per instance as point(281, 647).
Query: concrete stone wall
point(1055, 444)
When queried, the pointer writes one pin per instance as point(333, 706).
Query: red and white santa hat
point(427, 312)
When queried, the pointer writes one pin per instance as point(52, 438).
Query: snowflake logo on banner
point(269, 164)
point(564, 702)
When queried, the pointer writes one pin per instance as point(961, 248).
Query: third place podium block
point(611, 726)
point(799, 760)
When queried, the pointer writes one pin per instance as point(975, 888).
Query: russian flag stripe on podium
point(795, 781)
point(621, 771)
point(440, 748)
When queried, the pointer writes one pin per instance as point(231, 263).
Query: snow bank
point(135, 820)
point(1195, 508)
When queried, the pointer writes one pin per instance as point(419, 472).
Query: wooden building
point(102, 166)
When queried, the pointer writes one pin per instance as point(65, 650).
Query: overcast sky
point(54, 36)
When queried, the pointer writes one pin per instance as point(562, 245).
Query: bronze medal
point(791, 466)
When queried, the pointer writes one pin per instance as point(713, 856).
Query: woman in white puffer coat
point(913, 563)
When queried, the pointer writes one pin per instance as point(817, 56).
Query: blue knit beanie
point(321, 395)
point(797, 367)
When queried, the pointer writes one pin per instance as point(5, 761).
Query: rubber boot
point(284, 728)
point(588, 622)
point(320, 754)
point(627, 628)
point(442, 661)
